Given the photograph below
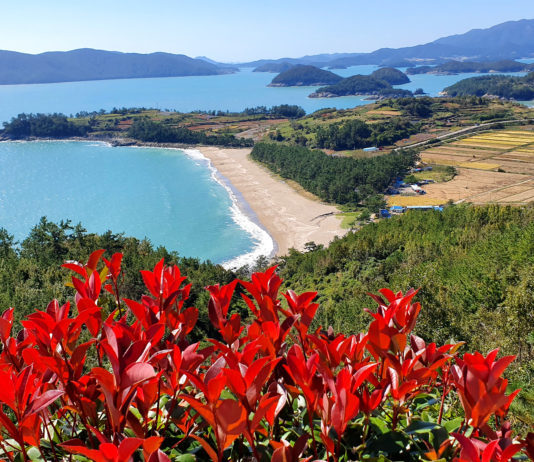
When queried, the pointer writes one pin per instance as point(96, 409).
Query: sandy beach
point(290, 218)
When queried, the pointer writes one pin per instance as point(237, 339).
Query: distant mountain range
point(509, 40)
point(89, 64)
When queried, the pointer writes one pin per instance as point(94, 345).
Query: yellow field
point(479, 165)
point(496, 167)
point(404, 201)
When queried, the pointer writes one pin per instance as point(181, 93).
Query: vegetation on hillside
point(461, 67)
point(360, 85)
point(301, 75)
point(503, 86)
point(342, 180)
point(391, 75)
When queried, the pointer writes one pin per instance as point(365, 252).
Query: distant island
point(502, 86)
point(298, 76)
point(461, 67)
point(360, 85)
point(89, 64)
point(274, 67)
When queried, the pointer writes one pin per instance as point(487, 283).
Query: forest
point(42, 126)
point(503, 86)
point(343, 180)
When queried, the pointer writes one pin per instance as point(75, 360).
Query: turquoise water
point(233, 92)
point(163, 194)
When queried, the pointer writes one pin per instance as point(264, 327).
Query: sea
point(172, 197)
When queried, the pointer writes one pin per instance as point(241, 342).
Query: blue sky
point(239, 30)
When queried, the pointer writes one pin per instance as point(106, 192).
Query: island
point(464, 67)
point(501, 86)
point(300, 75)
point(391, 75)
point(361, 85)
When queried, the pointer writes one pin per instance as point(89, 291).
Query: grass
point(348, 219)
point(439, 173)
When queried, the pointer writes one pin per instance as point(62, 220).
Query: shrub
point(269, 389)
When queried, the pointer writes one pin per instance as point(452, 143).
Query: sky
point(244, 30)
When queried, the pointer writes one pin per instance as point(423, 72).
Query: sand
point(291, 218)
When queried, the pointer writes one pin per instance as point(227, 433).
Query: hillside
point(460, 67)
point(300, 75)
point(516, 88)
point(89, 64)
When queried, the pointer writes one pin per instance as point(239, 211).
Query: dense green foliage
point(391, 75)
point(362, 85)
point(356, 134)
point(460, 67)
point(518, 88)
point(42, 126)
point(305, 75)
point(474, 267)
point(31, 276)
point(334, 179)
point(147, 130)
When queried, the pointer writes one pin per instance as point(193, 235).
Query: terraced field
point(495, 166)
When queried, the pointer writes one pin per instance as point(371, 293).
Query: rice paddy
point(495, 166)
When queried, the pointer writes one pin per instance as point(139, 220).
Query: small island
point(464, 67)
point(299, 76)
point(361, 85)
point(501, 86)
point(391, 75)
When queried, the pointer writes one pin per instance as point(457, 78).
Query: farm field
point(495, 166)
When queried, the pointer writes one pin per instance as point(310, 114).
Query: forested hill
point(503, 86)
point(360, 85)
point(391, 75)
point(89, 64)
point(460, 67)
point(474, 268)
point(304, 76)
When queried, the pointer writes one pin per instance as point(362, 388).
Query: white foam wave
point(264, 243)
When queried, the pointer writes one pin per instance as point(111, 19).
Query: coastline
point(276, 215)
point(291, 219)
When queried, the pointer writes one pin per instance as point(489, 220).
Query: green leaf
point(420, 426)
point(186, 458)
point(454, 424)
point(34, 454)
